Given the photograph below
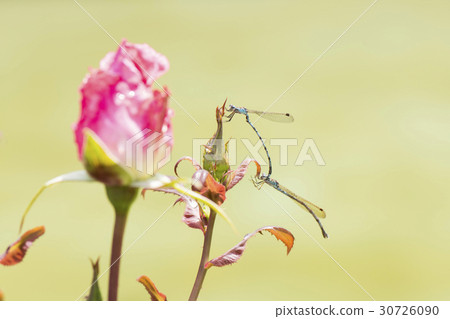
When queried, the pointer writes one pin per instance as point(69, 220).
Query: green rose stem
point(201, 273)
point(121, 198)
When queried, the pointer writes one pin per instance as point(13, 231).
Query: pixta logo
point(308, 152)
point(148, 151)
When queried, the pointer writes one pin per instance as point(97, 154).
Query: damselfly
point(314, 210)
point(277, 117)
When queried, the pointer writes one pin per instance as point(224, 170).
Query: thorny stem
point(201, 273)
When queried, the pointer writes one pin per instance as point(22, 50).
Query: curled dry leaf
point(15, 253)
point(196, 165)
point(235, 253)
point(235, 176)
point(151, 289)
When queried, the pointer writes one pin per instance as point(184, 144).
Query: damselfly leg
point(230, 116)
point(258, 182)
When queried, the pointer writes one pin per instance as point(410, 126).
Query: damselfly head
point(231, 108)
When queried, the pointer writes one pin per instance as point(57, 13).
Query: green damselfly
point(276, 117)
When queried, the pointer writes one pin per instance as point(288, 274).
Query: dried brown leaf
point(15, 253)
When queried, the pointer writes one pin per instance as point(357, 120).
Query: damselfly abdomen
point(313, 209)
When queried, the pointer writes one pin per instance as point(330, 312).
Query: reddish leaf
point(192, 215)
point(204, 183)
point(16, 252)
point(235, 253)
point(204, 201)
point(234, 177)
point(197, 166)
point(151, 289)
point(1, 296)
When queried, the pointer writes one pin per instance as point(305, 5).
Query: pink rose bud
point(124, 132)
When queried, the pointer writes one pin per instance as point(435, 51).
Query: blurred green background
point(377, 106)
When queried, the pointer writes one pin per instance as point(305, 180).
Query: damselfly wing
point(273, 116)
